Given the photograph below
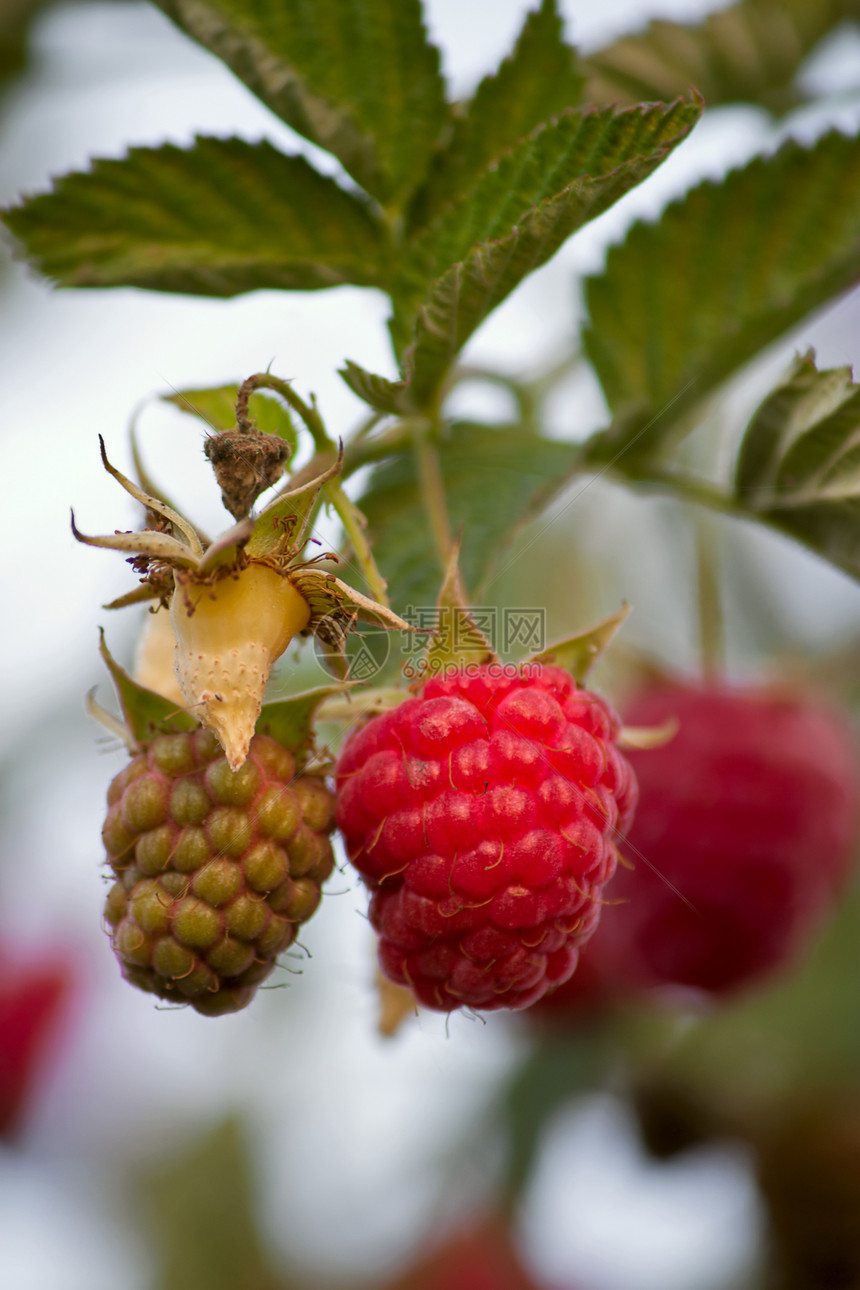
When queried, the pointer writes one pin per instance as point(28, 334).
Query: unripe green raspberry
point(215, 868)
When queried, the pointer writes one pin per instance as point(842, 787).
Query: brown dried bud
point(246, 462)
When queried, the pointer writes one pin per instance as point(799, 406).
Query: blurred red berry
point(482, 814)
point(480, 1257)
point(746, 828)
point(32, 1003)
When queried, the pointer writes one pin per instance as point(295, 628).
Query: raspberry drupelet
point(483, 815)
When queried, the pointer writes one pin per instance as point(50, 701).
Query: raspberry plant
point(446, 208)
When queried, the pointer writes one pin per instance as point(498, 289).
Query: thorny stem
point(354, 525)
point(433, 494)
point(308, 414)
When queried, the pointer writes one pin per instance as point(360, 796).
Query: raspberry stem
point(433, 494)
point(711, 635)
point(355, 526)
point(309, 414)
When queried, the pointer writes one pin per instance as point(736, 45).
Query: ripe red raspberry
point(32, 1001)
point(482, 814)
point(746, 826)
point(215, 868)
point(480, 1256)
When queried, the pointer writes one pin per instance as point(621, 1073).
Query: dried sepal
point(225, 551)
point(151, 543)
point(153, 504)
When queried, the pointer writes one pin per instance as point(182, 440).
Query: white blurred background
point(353, 1133)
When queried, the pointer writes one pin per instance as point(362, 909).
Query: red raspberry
point(747, 824)
point(480, 1256)
point(32, 1001)
point(482, 815)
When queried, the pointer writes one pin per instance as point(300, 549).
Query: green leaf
point(202, 1216)
point(16, 22)
point(578, 654)
point(495, 480)
point(749, 53)
point(787, 1040)
point(538, 80)
point(381, 394)
point(217, 407)
point(216, 219)
point(290, 721)
point(146, 713)
point(577, 147)
point(799, 462)
point(359, 79)
point(685, 302)
point(624, 149)
point(558, 1069)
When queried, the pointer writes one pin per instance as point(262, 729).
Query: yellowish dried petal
point(155, 657)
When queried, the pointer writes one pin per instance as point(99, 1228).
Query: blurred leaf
point(202, 1217)
point(377, 391)
point(577, 148)
point(216, 219)
point(578, 654)
point(783, 1042)
point(686, 301)
point(495, 480)
point(538, 80)
point(217, 407)
point(358, 79)
point(16, 21)
point(146, 713)
point(630, 145)
point(749, 53)
point(799, 462)
point(558, 1069)
point(290, 720)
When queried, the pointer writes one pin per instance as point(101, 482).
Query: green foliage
point(748, 53)
point(785, 1041)
point(290, 720)
point(217, 219)
point(146, 714)
point(531, 199)
point(16, 20)
point(217, 407)
point(799, 464)
point(358, 79)
point(578, 654)
point(633, 145)
point(562, 1064)
point(201, 1210)
point(494, 480)
point(537, 81)
point(381, 394)
point(685, 302)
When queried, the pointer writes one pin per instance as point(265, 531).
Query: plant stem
point(308, 413)
point(433, 494)
point(711, 636)
point(354, 525)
